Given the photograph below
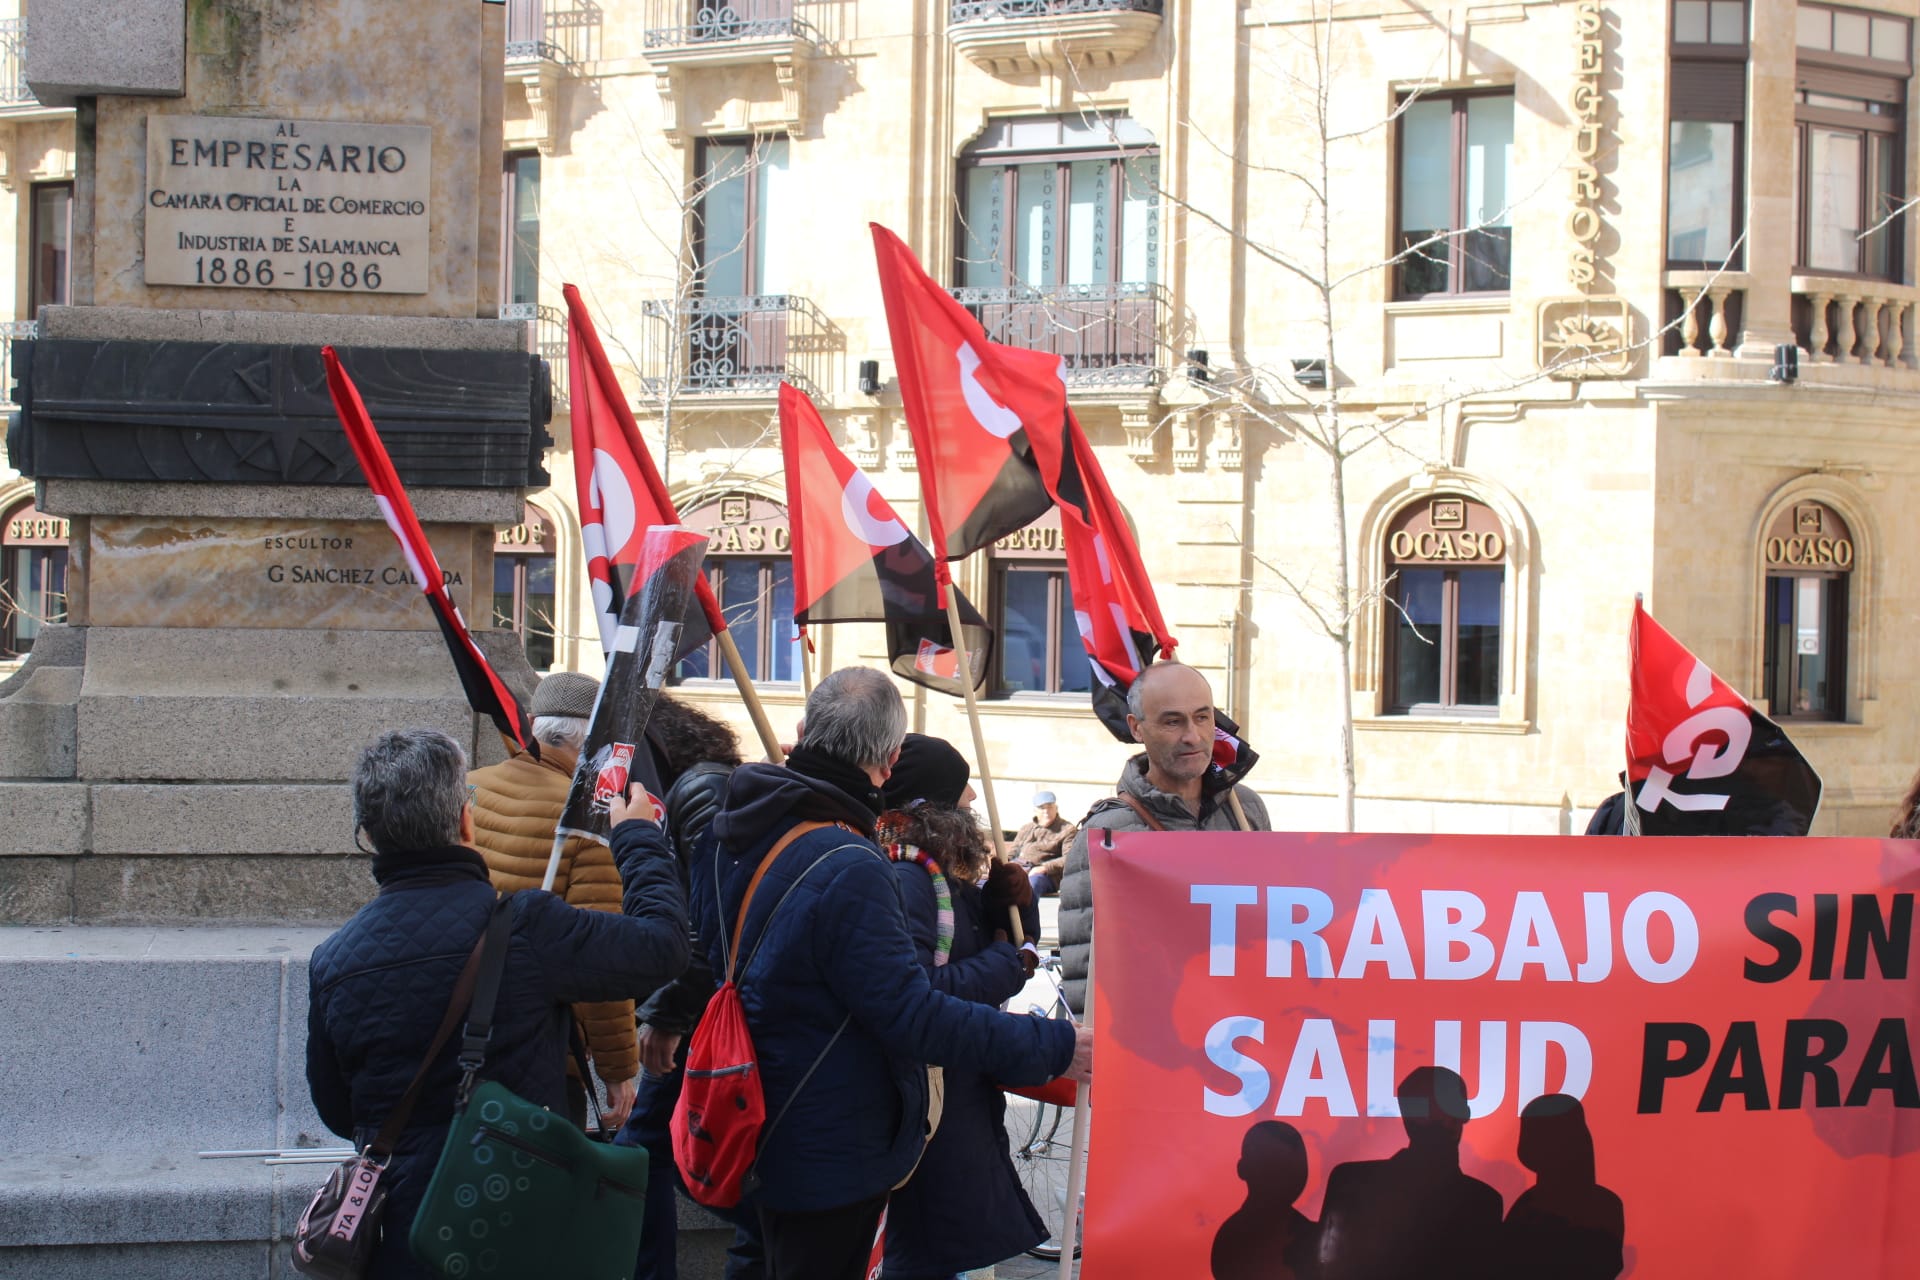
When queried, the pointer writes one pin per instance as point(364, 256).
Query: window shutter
point(1848, 84)
point(1705, 90)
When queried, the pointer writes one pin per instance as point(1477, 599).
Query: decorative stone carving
point(1143, 433)
point(902, 455)
point(1586, 338)
point(1186, 439)
point(788, 45)
point(1003, 40)
point(863, 440)
point(1228, 450)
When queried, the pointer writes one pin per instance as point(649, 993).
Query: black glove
point(1007, 889)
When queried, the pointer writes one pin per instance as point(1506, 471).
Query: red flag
point(1700, 759)
point(973, 407)
point(619, 490)
point(485, 692)
point(855, 560)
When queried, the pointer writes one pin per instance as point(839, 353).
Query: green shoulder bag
point(520, 1191)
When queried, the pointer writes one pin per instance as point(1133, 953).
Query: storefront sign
point(532, 536)
point(739, 524)
point(28, 527)
point(1340, 1055)
point(1809, 536)
point(1446, 530)
point(248, 203)
point(1589, 101)
point(1041, 540)
point(267, 573)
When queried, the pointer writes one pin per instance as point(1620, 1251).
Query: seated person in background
point(1041, 847)
point(380, 984)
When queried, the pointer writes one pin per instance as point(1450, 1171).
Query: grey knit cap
point(566, 693)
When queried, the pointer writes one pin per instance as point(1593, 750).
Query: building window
point(1809, 556)
point(1707, 112)
point(1850, 92)
point(51, 269)
point(750, 567)
point(1446, 579)
point(520, 214)
point(742, 208)
point(523, 586)
point(1456, 166)
point(1060, 201)
point(1039, 649)
point(33, 576)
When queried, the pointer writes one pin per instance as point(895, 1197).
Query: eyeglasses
point(473, 793)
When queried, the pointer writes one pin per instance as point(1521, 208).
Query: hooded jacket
point(515, 806)
point(1115, 814)
point(834, 995)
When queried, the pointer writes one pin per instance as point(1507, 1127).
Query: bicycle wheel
point(1042, 1140)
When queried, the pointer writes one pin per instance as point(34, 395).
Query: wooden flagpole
point(1076, 1161)
point(806, 664)
point(749, 695)
point(964, 669)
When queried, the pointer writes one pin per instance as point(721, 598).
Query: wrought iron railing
point(1106, 334)
point(977, 10)
point(546, 338)
point(13, 62)
point(537, 31)
point(733, 345)
point(678, 23)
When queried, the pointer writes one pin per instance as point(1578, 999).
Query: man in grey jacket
point(1170, 710)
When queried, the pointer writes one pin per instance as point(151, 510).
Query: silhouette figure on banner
point(1267, 1238)
point(1566, 1226)
point(1414, 1215)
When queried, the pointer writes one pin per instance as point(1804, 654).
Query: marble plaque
point(251, 203)
point(184, 572)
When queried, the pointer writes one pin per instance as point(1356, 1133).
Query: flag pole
point(964, 666)
point(806, 663)
point(1239, 814)
point(749, 695)
point(553, 862)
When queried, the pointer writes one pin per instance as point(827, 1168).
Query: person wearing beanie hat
point(964, 1207)
point(515, 806)
point(1041, 847)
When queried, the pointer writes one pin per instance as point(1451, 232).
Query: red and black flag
point(486, 693)
point(620, 491)
point(972, 406)
point(646, 644)
point(1700, 760)
point(855, 560)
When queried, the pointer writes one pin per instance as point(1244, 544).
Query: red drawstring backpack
point(722, 1111)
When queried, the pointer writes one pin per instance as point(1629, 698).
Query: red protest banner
point(1388, 1056)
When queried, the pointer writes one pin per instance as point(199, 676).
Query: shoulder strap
point(1146, 815)
point(493, 966)
point(383, 1142)
point(794, 832)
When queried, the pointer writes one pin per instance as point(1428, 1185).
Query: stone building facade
point(1524, 270)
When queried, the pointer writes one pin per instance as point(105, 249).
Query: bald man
point(1166, 787)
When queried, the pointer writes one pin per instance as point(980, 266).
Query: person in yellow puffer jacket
point(515, 806)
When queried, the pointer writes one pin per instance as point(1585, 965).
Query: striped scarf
point(942, 898)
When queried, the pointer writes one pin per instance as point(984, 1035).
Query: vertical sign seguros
point(262, 203)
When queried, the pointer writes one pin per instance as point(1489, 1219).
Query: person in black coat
point(379, 986)
point(964, 1208)
point(695, 754)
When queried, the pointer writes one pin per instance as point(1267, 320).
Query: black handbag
point(337, 1232)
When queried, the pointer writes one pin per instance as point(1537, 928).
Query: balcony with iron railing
point(546, 338)
point(1019, 37)
point(539, 31)
point(733, 346)
point(1106, 335)
point(724, 29)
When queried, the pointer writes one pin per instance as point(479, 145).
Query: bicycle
point(1040, 1136)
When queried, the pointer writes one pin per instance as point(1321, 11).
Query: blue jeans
point(650, 1127)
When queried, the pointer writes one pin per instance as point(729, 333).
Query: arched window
point(750, 565)
point(1032, 613)
point(33, 576)
point(1445, 587)
point(524, 598)
point(1808, 554)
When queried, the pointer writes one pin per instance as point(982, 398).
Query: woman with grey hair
point(379, 986)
